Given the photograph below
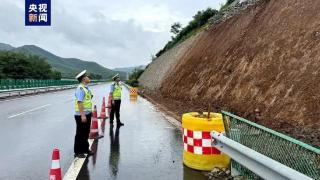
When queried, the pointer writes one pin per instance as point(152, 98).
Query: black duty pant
point(81, 144)
point(115, 109)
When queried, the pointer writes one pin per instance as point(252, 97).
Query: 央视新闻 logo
point(37, 12)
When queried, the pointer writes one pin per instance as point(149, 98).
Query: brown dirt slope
point(153, 76)
point(267, 57)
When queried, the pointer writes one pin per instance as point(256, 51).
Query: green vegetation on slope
point(20, 66)
point(133, 78)
point(199, 20)
point(228, 3)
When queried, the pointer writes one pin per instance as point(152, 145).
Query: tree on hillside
point(14, 66)
point(21, 66)
point(95, 76)
point(40, 69)
point(56, 75)
point(175, 28)
point(229, 1)
point(134, 76)
point(199, 20)
point(202, 17)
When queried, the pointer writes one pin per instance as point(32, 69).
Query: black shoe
point(90, 153)
point(80, 155)
point(120, 124)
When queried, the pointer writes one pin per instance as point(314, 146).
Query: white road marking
point(34, 109)
point(76, 166)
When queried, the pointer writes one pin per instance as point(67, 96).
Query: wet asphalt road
point(146, 147)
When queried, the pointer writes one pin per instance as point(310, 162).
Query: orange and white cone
point(94, 132)
point(103, 110)
point(55, 171)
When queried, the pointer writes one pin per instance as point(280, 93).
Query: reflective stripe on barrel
point(198, 142)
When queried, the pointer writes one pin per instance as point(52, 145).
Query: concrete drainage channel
point(12, 93)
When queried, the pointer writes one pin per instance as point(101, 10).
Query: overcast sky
point(119, 33)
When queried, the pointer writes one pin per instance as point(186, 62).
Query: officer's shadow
point(84, 173)
point(114, 151)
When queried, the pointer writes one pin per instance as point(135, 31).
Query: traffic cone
point(55, 171)
point(103, 110)
point(94, 133)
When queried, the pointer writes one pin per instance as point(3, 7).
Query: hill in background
point(129, 70)
point(5, 47)
point(69, 67)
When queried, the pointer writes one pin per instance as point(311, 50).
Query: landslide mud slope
point(153, 76)
point(267, 57)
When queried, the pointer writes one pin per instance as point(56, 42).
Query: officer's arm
point(81, 108)
point(80, 97)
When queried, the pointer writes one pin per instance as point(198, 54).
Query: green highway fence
point(284, 149)
point(8, 84)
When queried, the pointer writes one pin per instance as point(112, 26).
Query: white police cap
point(81, 74)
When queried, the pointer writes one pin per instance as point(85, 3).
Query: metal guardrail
point(279, 147)
point(7, 84)
point(258, 163)
point(27, 91)
point(38, 88)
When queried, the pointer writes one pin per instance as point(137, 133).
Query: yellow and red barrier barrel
point(133, 92)
point(198, 152)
